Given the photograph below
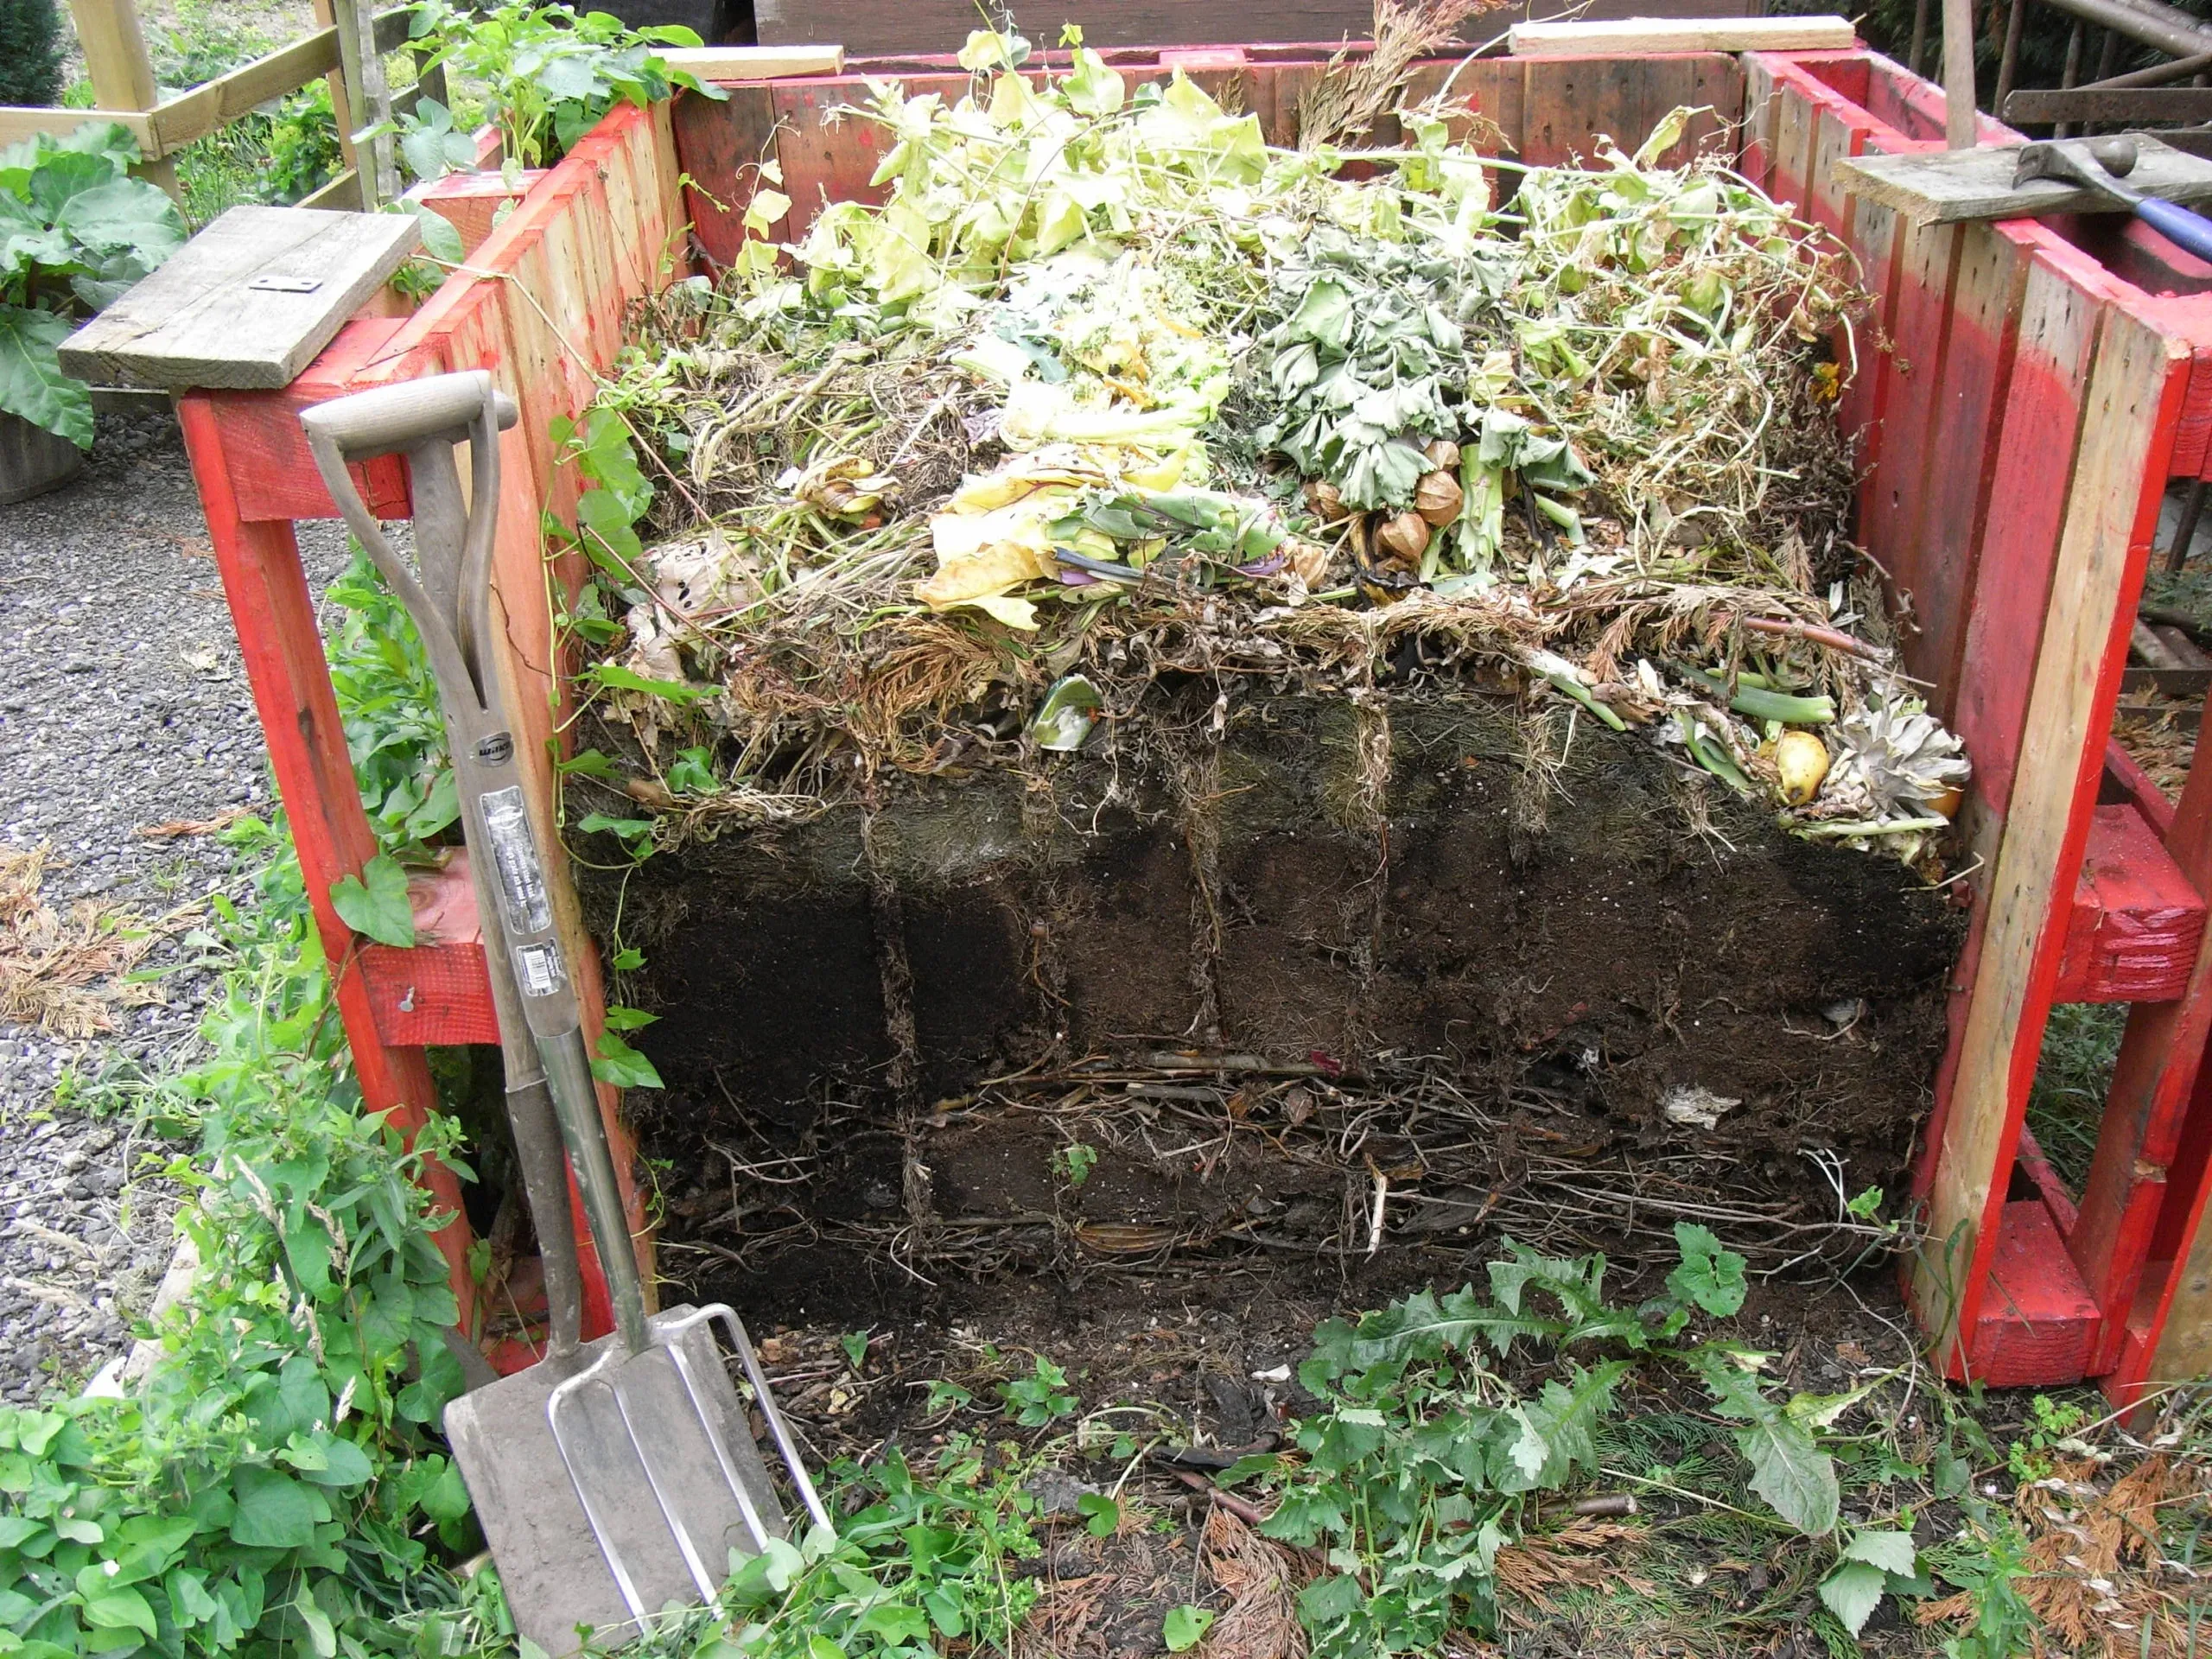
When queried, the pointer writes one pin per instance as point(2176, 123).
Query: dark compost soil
point(1283, 1007)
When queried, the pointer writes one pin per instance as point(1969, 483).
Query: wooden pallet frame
point(1992, 352)
point(2009, 347)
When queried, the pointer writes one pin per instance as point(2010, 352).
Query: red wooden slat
point(2142, 792)
point(278, 642)
point(2137, 921)
point(2048, 1185)
point(2155, 402)
point(470, 202)
point(721, 147)
point(2037, 1323)
point(437, 992)
point(2027, 496)
point(274, 476)
point(1568, 103)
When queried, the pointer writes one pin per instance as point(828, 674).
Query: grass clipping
point(66, 974)
point(1110, 392)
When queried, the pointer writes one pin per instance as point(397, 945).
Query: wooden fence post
point(341, 100)
point(123, 75)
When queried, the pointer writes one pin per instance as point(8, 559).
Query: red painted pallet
point(2026, 391)
point(2036, 388)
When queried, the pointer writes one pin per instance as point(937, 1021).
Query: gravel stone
point(125, 708)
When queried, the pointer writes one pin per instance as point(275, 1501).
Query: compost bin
point(1326, 980)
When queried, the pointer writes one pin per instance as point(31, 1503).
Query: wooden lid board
point(1943, 186)
point(247, 304)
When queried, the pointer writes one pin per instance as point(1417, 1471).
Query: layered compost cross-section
point(1152, 697)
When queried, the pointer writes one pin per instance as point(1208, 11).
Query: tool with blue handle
point(2098, 164)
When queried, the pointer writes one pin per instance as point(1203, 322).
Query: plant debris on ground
point(65, 973)
point(1109, 392)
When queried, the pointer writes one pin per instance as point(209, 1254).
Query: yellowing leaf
point(900, 262)
point(1059, 221)
point(986, 572)
point(767, 207)
point(1664, 137)
point(1014, 612)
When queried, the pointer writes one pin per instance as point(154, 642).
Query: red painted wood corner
point(2136, 923)
point(2037, 1322)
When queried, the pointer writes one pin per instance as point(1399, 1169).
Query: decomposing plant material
point(1274, 1161)
point(2096, 1573)
point(66, 974)
point(1109, 388)
point(1345, 104)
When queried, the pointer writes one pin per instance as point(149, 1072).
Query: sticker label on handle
point(514, 853)
point(538, 967)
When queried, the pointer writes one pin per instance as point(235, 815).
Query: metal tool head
point(2093, 163)
point(621, 1485)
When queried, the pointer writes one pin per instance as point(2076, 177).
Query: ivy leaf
point(1853, 1592)
point(1186, 1627)
point(374, 903)
point(1709, 1275)
point(622, 1065)
point(273, 1510)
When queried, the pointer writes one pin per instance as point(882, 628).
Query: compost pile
point(1109, 396)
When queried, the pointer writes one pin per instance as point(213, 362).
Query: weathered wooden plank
point(1790, 167)
point(869, 28)
point(722, 147)
point(1925, 270)
point(2121, 106)
point(247, 302)
point(19, 122)
point(1638, 36)
point(732, 64)
point(1947, 186)
point(2027, 501)
point(2134, 391)
point(1966, 435)
point(1825, 202)
point(218, 103)
point(1568, 103)
point(1761, 109)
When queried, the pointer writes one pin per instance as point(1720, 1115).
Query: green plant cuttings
point(75, 231)
point(1107, 388)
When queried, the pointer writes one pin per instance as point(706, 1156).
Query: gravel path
point(123, 706)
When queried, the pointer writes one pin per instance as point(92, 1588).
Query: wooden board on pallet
point(1635, 37)
point(247, 302)
point(1948, 187)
